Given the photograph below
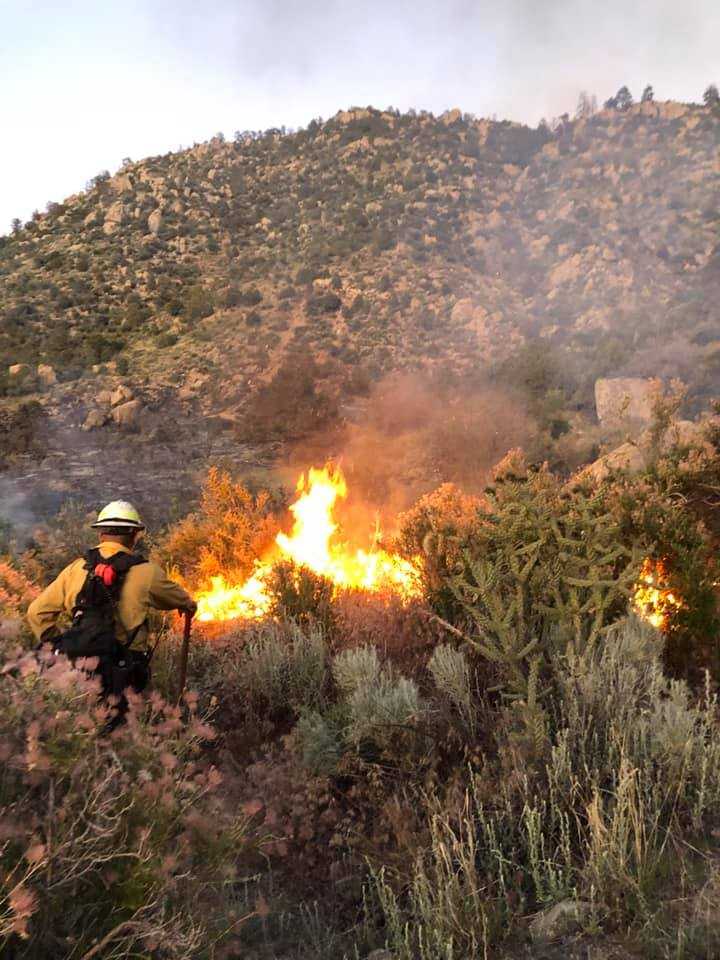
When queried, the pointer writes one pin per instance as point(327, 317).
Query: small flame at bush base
point(653, 600)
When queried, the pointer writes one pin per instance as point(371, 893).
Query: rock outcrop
point(114, 218)
point(128, 414)
point(155, 222)
point(628, 456)
point(46, 375)
point(95, 419)
point(625, 398)
point(562, 919)
point(121, 395)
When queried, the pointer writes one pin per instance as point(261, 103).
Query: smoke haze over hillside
point(85, 85)
point(413, 433)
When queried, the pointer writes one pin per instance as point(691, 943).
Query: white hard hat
point(119, 514)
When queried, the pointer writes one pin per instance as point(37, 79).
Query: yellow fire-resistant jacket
point(146, 587)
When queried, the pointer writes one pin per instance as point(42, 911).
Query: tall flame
point(314, 543)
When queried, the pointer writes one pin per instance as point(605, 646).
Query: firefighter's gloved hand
point(191, 608)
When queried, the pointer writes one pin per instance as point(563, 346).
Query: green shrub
point(284, 667)
point(630, 773)
point(299, 594)
point(384, 712)
point(250, 297)
point(292, 405)
point(305, 275)
point(320, 741)
point(378, 718)
point(198, 304)
point(321, 303)
point(19, 428)
point(355, 668)
point(451, 672)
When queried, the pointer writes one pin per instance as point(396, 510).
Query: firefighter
point(108, 594)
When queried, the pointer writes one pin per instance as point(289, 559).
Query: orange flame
point(313, 543)
point(652, 600)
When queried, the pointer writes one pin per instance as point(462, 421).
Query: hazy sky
point(84, 84)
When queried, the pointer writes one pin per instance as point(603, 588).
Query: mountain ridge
point(370, 243)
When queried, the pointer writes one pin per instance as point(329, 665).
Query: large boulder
point(121, 395)
point(128, 414)
point(192, 385)
point(155, 222)
point(122, 183)
point(451, 116)
point(621, 399)
point(115, 217)
point(95, 419)
point(462, 312)
point(46, 375)
point(628, 457)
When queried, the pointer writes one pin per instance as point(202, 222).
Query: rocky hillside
point(371, 242)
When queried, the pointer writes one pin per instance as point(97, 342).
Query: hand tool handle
point(184, 654)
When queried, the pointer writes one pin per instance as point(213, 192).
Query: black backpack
point(93, 632)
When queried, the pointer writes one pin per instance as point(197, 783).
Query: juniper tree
point(586, 106)
point(711, 96)
point(621, 101)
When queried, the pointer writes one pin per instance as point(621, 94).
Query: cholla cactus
point(320, 742)
point(549, 571)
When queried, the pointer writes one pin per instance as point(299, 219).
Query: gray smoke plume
point(413, 433)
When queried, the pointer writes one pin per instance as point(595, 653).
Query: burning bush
point(226, 534)
point(300, 595)
point(541, 562)
point(437, 528)
point(16, 591)
point(304, 569)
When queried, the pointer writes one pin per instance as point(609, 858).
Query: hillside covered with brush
point(250, 289)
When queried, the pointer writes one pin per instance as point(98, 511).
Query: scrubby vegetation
point(514, 755)
point(377, 241)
